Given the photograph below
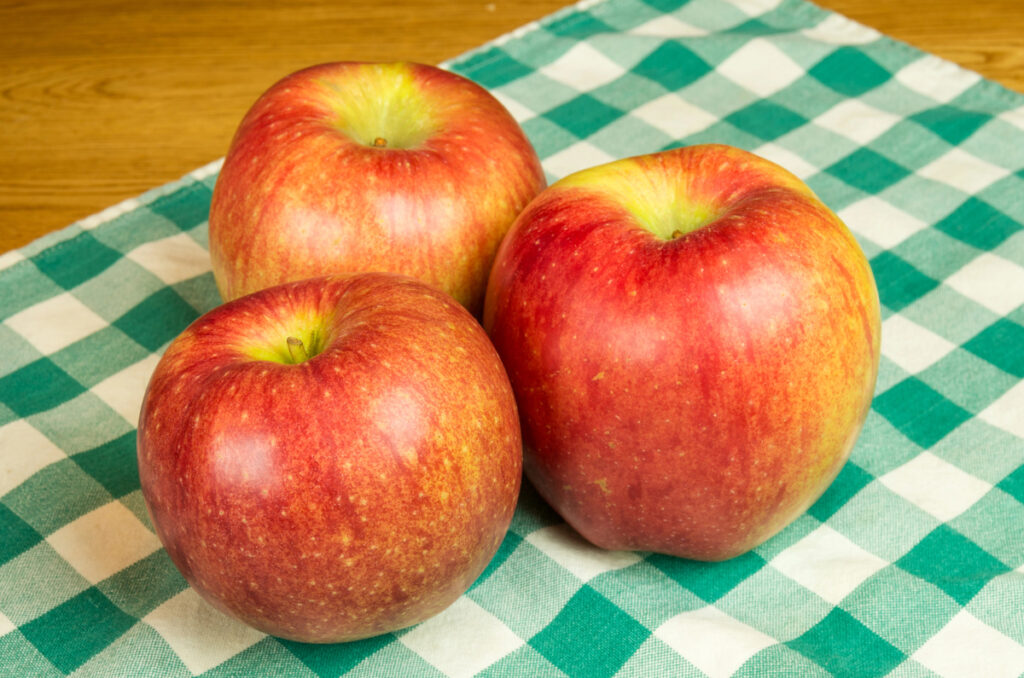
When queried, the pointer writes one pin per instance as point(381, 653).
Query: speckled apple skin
point(301, 194)
point(353, 494)
point(689, 395)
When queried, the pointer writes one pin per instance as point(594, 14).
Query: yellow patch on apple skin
point(630, 183)
point(381, 105)
point(290, 342)
point(641, 185)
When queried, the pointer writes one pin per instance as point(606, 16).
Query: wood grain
point(104, 99)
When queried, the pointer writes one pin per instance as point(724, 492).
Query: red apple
point(333, 458)
point(370, 167)
point(693, 338)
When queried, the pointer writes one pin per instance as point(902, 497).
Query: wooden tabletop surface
point(104, 99)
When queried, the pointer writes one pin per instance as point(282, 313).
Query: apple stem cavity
point(297, 351)
point(293, 350)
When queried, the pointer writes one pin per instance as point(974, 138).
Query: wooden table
point(103, 99)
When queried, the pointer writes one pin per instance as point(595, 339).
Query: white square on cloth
point(880, 222)
point(963, 171)
point(104, 541)
point(6, 625)
point(172, 259)
point(714, 642)
point(674, 116)
point(761, 67)
point(583, 68)
point(10, 258)
point(23, 451)
point(839, 30)
point(56, 323)
point(856, 120)
point(911, 346)
point(124, 391)
point(1014, 117)
point(201, 635)
point(936, 78)
point(1007, 412)
point(579, 156)
point(967, 648)
point(827, 563)
point(992, 281)
point(463, 640)
point(667, 26)
point(566, 547)
point(936, 486)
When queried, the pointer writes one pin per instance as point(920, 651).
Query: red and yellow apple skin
point(370, 167)
point(693, 339)
point(353, 493)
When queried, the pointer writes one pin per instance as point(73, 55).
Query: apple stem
point(676, 233)
point(297, 350)
point(380, 142)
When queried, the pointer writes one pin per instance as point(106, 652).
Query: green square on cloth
point(912, 563)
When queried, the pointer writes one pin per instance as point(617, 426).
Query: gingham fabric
point(912, 564)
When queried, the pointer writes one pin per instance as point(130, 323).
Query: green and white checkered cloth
point(912, 564)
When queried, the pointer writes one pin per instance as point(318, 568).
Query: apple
point(353, 166)
point(333, 458)
point(693, 340)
